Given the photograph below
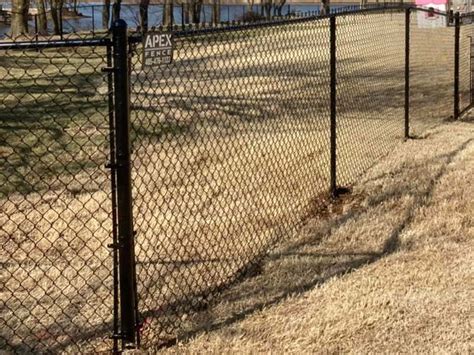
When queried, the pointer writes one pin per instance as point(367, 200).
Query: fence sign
point(157, 49)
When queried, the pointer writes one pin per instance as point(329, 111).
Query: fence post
point(407, 73)
point(61, 24)
point(471, 77)
point(332, 25)
point(457, 27)
point(124, 190)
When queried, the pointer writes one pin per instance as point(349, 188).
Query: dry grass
point(392, 273)
point(231, 156)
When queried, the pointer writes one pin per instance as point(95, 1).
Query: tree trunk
point(190, 11)
point(116, 10)
point(185, 12)
point(268, 9)
point(167, 13)
point(216, 11)
point(144, 15)
point(195, 11)
point(26, 12)
point(106, 14)
point(42, 19)
point(56, 16)
point(250, 5)
point(19, 25)
point(279, 7)
point(325, 8)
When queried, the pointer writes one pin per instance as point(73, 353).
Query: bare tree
point(42, 19)
point(267, 5)
point(168, 13)
point(19, 25)
point(325, 7)
point(106, 14)
point(194, 11)
point(144, 15)
point(250, 4)
point(74, 6)
point(279, 7)
point(56, 15)
point(185, 12)
point(216, 11)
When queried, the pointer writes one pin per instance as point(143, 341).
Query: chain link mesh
point(230, 150)
point(231, 154)
point(54, 198)
point(431, 73)
point(370, 90)
point(465, 63)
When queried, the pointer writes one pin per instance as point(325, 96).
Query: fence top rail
point(32, 43)
point(195, 31)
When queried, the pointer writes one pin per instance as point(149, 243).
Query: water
point(91, 19)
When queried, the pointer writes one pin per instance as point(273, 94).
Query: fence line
point(132, 195)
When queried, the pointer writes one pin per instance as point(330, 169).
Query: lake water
point(92, 15)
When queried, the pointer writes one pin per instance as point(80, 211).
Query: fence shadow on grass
point(271, 284)
point(295, 269)
point(303, 264)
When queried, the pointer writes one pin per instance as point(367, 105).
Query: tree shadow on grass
point(289, 271)
point(51, 125)
point(295, 269)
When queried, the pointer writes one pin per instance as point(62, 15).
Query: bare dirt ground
point(391, 271)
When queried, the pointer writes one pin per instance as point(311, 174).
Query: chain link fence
point(233, 146)
point(55, 196)
point(232, 149)
point(431, 72)
point(466, 62)
point(370, 90)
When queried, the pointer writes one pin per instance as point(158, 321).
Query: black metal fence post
point(407, 73)
point(61, 32)
point(471, 68)
point(113, 189)
point(457, 27)
point(332, 25)
point(124, 188)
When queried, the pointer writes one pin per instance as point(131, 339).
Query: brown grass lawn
point(230, 158)
point(393, 272)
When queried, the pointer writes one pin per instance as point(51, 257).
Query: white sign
point(431, 19)
point(157, 49)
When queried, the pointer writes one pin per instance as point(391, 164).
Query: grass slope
point(392, 273)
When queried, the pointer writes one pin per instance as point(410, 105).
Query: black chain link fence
point(370, 89)
point(55, 196)
point(231, 146)
point(230, 154)
point(431, 71)
point(466, 62)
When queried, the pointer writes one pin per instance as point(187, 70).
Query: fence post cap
point(120, 23)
